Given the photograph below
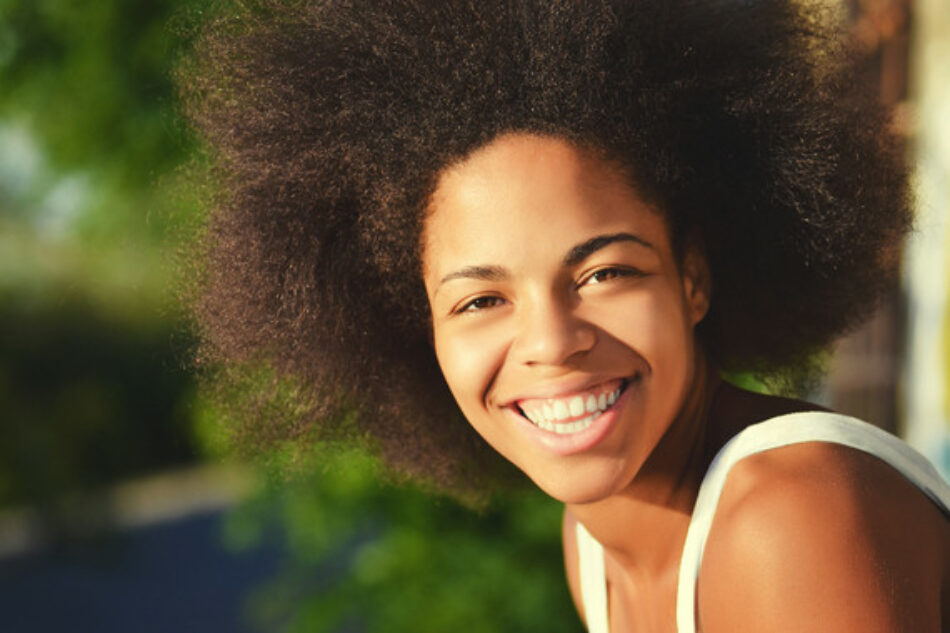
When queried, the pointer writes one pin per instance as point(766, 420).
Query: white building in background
point(925, 398)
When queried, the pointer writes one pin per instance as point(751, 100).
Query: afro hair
point(329, 122)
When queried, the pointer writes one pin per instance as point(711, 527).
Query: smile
point(574, 413)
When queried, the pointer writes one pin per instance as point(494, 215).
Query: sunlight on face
point(561, 320)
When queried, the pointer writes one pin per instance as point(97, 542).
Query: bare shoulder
point(571, 563)
point(821, 537)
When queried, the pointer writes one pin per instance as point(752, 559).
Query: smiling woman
point(553, 285)
point(540, 230)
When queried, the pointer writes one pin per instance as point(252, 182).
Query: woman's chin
point(581, 485)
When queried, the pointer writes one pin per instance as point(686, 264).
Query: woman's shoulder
point(821, 535)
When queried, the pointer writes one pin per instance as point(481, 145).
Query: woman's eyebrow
point(484, 273)
point(585, 249)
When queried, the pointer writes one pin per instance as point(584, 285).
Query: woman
point(556, 223)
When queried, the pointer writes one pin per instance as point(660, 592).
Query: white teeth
point(550, 415)
point(577, 406)
point(566, 429)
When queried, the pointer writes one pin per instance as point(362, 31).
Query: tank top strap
point(590, 561)
point(793, 428)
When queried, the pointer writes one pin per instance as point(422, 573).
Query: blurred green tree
point(92, 379)
point(91, 83)
point(380, 558)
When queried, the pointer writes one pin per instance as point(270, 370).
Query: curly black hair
point(330, 120)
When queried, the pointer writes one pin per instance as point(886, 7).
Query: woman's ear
point(697, 280)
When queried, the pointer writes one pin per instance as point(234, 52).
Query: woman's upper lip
point(561, 390)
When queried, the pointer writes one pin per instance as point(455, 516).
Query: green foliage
point(92, 379)
point(93, 78)
point(372, 556)
point(87, 397)
point(746, 381)
point(88, 121)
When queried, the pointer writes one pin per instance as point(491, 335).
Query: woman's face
point(561, 319)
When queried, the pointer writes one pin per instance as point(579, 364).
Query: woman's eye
point(480, 303)
point(606, 274)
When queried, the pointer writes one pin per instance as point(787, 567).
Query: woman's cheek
point(672, 339)
point(470, 356)
point(654, 326)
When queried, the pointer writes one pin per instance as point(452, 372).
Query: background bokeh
point(120, 505)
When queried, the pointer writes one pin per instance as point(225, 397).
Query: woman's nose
point(550, 333)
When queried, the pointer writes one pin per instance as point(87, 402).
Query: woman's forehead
point(524, 188)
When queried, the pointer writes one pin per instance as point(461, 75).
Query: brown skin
point(806, 538)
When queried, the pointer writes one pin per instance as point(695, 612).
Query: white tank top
point(794, 428)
